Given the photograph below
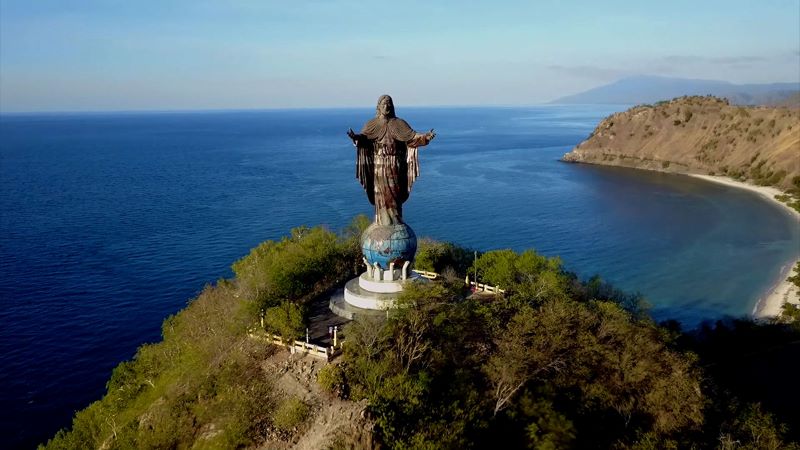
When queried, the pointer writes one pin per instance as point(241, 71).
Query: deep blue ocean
point(110, 222)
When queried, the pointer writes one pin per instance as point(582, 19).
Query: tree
point(298, 267)
point(756, 429)
point(286, 320)
point(525, 350)
point(438, 257)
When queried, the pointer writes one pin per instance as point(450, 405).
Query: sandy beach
point(769, 304)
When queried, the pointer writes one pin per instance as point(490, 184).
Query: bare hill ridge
point(704, 135)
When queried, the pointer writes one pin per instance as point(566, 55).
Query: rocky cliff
point(703, 135)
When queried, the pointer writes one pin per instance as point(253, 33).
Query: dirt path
point(331, 418)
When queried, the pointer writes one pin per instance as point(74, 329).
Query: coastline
point(767, 192)
point(770, 303)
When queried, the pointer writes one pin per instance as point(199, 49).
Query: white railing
point(486, 288)
point(318, 351)
point(327, 353)
point(426, 274)
point(478, 286)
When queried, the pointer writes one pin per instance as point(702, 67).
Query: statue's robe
point(387, 165)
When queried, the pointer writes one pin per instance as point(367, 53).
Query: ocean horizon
point(112, 221)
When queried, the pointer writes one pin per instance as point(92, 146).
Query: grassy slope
point(702, 135)
point(205, 385)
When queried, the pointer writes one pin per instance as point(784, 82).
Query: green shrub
point(790, 312)
point(437, 256)
point(305, 264)
point(286, 320)
point(795, 189)
point(754, 428)
point(331, 379)
point(795, 279)
point(290, 414)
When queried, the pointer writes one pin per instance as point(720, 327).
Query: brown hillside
point(703, 135)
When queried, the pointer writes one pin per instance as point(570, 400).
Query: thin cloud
point(714, 60)
point(589, 71)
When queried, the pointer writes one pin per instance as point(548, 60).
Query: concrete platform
point(341, 308)
point(359, 297)
point(322, 318)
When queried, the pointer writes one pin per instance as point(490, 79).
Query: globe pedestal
point(388, 246)
point(388, 254)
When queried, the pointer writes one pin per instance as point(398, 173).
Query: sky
point(66, 55)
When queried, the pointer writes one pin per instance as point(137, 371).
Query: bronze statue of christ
point(387, 163)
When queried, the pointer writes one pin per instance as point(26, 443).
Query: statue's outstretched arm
point(359, 140)
point(420, 139)
point(352, 135)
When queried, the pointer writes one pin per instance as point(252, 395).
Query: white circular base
point(383, 287)
point(365, 293)
point(361, 298)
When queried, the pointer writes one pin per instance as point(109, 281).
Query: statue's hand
point(351, 134)
point(430, 134)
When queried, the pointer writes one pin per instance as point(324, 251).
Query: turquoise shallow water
point(110, 222)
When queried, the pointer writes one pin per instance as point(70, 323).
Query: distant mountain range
point(650, 89)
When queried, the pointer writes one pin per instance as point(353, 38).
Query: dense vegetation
point(554, 363)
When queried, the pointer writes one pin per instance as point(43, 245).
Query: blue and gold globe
point(384, 244)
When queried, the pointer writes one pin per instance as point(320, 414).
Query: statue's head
point(385, 107)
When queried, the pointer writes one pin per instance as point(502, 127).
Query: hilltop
point(553, 362)
point(648, 89)
point(702, 135)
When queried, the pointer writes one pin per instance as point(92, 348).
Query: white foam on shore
point(770, 303)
